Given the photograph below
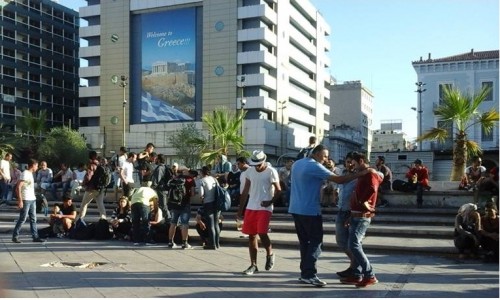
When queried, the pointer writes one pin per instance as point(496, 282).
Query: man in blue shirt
point(308, 175)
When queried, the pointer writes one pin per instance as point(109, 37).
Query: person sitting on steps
point(418, 180)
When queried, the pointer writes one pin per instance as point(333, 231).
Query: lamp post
point(420, 90)
point(283, 139)
point(241, 83)
point(123, 84)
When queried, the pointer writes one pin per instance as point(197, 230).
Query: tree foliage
point(63, 145)
point(224, 128)
point(188, 143)
point(462, 110)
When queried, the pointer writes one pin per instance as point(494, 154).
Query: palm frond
point(473, 148)
point(434, 133)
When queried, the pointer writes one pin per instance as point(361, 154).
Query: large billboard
point(168, 63)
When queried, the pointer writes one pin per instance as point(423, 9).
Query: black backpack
point(176, 190)
point(161, 184)
point(82, 231)
point(101, 178)
point(102, 231)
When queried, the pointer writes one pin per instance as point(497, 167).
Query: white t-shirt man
point(261, 187)
point(28, 188)
point(5, 167)
point(128, 172)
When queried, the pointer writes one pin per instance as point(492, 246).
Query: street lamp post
point(283, 136)
point(420, 90)
point(241, 81)
point(123, 84)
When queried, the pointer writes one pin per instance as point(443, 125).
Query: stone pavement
point(119, 269)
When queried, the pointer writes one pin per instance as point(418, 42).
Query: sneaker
point(314, 281)
point(136, 244)
point(346, 273)
point(170, 245)
point(251, 270)
point(269, 262)
point(38, 240)
point(175, 246)
point(151, 243)
point(367, 281)
point(350, 280)
point(16, 240)
point(186, 246)
point(60, 235)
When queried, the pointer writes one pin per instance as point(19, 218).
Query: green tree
point(32, 127)
point(462, 110)
point(63, 145)
point(224, 128)
point(7, 139)
point(188, 142)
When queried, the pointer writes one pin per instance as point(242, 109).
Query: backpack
point(102, 231)
point(304, 152)
point(101, 178)
point(162, 183)
point(42, 206)
point(222, 198)
point(82, 231)
point(176, 190)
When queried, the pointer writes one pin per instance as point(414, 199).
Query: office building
point(38, 62)
point(152, 66)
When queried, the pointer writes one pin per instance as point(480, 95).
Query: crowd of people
point(150, 211)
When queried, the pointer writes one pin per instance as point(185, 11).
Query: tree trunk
point(459, 157)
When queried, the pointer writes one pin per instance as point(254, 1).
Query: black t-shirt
point(149, 167)
point(67, 210)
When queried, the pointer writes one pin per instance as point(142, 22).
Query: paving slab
point(156, 271)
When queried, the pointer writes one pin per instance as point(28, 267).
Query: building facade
point(389, 140)
point(342, 140)
point(352, 105)
point(155, 65)
point(38, 62)
point(469, 72)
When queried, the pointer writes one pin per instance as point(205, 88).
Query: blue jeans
point(4, 187)
point(310, 233)
point(357, 231)
point(29, 209)
point(341, 231)
point(140, 222)
point(212, 215)
point(181, 215)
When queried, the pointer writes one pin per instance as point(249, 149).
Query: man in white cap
point(262, 183)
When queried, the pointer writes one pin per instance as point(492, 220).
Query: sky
point(375, 41)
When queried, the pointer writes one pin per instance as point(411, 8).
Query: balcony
point(90, 31)
point(262, 11)
point(90, 11)
point(262, 34)
point(86, 72)
point(261, 57)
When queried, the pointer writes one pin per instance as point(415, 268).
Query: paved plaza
point(63, 268)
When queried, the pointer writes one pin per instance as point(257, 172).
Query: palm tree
point(224, 128)
point(462, 110)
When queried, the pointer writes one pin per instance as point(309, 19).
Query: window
point(441, 91)
point(488, 84)
point(486, 137)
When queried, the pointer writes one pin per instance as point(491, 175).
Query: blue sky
point(375, 41)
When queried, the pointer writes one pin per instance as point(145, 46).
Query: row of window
point(10, 110)
point(484, 84)
point(43, 9)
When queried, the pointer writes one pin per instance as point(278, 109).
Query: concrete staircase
point(396, 228)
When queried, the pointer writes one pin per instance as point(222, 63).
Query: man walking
point(308, 175)
point(26, 202)
point(262, 183)
point(363, 202)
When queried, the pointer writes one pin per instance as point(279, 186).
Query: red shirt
point(422, 175)
point(366, 190)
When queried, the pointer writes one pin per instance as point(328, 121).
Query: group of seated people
point(474, 232)
point(64, 215)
